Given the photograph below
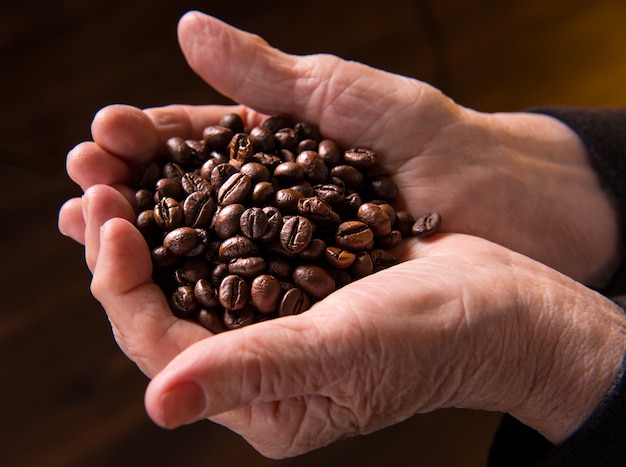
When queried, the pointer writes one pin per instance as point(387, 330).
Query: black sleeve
point(601, 441)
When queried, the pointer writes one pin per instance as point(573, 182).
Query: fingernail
point(186, 403)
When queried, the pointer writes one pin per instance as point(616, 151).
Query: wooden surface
point(68, 396)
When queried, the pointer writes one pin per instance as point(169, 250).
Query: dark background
point(68, 396)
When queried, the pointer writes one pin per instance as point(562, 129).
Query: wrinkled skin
point(467, 320)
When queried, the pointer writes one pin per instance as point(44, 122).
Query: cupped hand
point(461, 322)
point(520, 180)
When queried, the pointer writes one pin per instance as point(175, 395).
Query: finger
point(321, 89)
point(188, 121)
point(90, 164)
point(143, 323)
point(127, 133)
point(71, 222)
point(99, 204)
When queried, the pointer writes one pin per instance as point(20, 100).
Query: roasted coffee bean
point(240, 148)
point(306, 145)
point(247, 267)
point(294, 302)
point(235, 319)
point(168, 214)
point(234, 292)
point(265, 293)
point(147, 224)
point(192, 182)
point(199, 151)
point(238, 246)
point(169, 187)
point(314, 208)
point(426, 225)
point(221, 173)
point(144, 200)
point(177, 150)
point(198, 209)
point(314, 280)
point(226, 220)
point(183, 302)
point(375, 218)
point(262, 139)
point(296, 234)
point(362, 265)
point(286, 200)
point(362, 159)
point(217, 136)
point(265, 223)
point(331, 193)
point(232, 121)
point(205, 293)
point(173, 170)
point(262, 192)
point(288, 172)
point(314, 250)
point(211, 319)
point(330, 152)
point(382, 259)
point(182, 240)
point(339, 258)
point(313, 165)
point(274, 223)
point(163, 258)
point(256, 172)
point(350, 175)
point(253, 223)
point(279, 266)
point(354, 236)
point(234, 190)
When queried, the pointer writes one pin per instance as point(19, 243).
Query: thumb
point(265, 362)
point(321, 89)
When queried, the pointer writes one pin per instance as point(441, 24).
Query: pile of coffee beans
point(245, 226)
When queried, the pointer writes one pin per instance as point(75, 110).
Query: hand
point(520, 180)
point(461, 322)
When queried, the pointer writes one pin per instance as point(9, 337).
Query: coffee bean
point(247, 226)
point(183, 302)
point(354, 236)
point(265, 293)
point(198, 209)
point(168, 214)
point(294, 301)
point(296, 234)
point(240, 148)
point(361, 158)
point(375, 218)
point(226, 220)
point(212, 320)
point(217, 136)
point(314, 280)
point(427, 225)
point(234, 292)
point(253, 223)
point(235, 189)
point(205, 293)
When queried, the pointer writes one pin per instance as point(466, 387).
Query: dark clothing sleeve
point(601, 440)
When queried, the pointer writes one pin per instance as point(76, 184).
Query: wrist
point(575, 355)
point(570, 220)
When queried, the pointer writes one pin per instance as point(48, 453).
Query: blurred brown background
point(68, 396)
